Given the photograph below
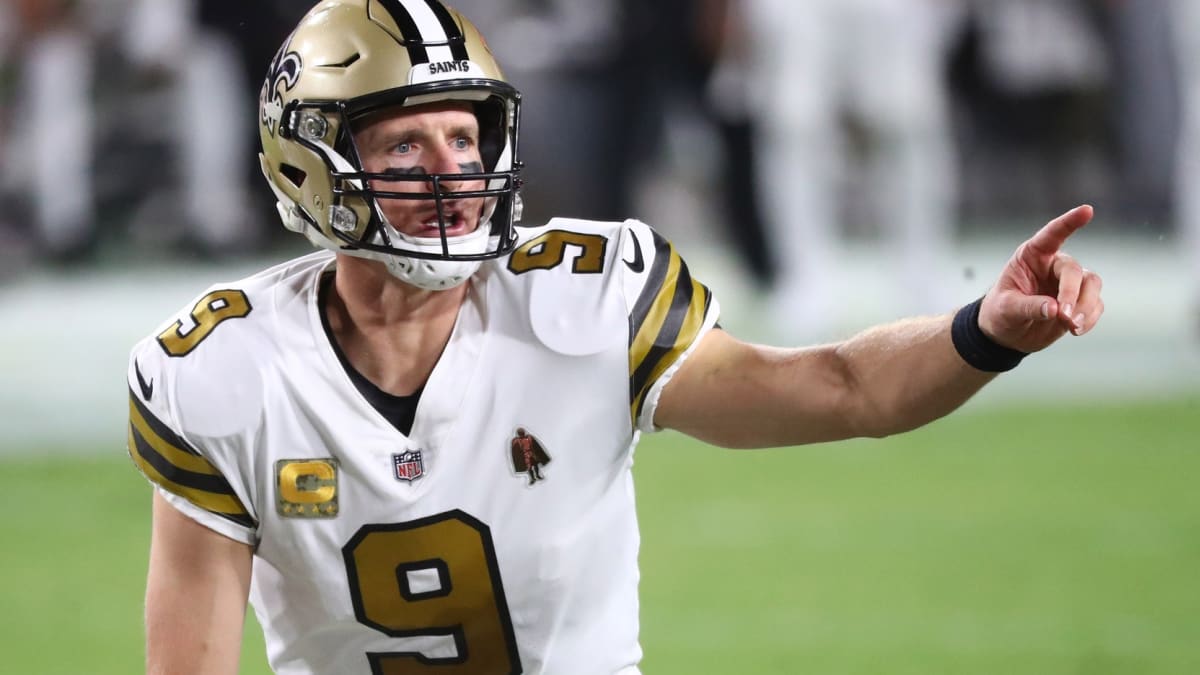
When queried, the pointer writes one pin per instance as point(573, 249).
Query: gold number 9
point(209, 312)
point(549, 250)
point(433, 576)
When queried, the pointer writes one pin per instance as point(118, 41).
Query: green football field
point(1016, 540)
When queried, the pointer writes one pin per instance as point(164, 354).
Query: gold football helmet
point(350, 58)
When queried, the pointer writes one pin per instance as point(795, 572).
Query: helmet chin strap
point(435, 275)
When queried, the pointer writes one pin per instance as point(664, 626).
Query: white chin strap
point(431, 275)
point(435, 275)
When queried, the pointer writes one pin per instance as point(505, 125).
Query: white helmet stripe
point(417, 14)
point(458, 43)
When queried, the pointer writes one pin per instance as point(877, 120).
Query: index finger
point(1050, 238)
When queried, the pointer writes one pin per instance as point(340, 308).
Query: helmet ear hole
point(294, 174)
point(492, 129)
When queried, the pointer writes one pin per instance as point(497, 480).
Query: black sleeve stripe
point(664, 341)
point(663, 254)
point(225, 505)
point(666, 357)
point(690, 304)
point(213, 484)
point(458, 46)
point(156, 427)
point(196, 481)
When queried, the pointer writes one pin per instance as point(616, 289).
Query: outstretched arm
point(887, 379)
point(196, 594)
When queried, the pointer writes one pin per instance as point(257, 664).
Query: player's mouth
point(457, 222)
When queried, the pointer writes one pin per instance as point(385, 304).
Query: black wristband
point(976, 348)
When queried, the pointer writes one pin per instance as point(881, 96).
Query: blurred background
point(823, 165)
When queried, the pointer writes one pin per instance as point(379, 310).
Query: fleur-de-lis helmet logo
point(283, 74)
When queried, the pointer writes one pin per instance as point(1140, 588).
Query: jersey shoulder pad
point(659, 289)
point(197, 387)
point(191, 475)
point(209, 359)
point(566, 272)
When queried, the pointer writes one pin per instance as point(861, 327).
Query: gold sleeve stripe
point(166, 443)
point(226, 505)
point(659, 280)
point(206, 489)
point(669, 326)
point(667, 352)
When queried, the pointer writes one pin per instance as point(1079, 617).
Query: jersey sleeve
point(193, 478)
point(669, 312)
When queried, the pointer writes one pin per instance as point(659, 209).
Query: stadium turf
point(1058, 540)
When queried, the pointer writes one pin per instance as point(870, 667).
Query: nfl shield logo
point(408, 465)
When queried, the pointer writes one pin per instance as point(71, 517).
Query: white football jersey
point(499, 536)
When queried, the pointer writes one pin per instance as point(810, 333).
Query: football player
point(345, 439)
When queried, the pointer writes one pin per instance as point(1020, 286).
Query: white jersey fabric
point(462, 547)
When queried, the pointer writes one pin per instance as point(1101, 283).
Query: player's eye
point(463, 143)
point(403, 148)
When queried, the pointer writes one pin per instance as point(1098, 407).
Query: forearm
point(887, 379)
point(903, 375)
point(196, 593)
point(196, 637)
point(882, 381)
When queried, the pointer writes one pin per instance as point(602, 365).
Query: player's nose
point(448, 159)
point(447, 163)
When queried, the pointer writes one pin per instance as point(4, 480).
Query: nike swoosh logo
point(638, 264)
point(146, 387)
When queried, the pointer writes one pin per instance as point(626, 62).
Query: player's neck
point(391, 332)
point(374, 298)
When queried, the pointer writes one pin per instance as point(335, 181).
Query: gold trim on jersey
point(665, 321)
point(168, 461)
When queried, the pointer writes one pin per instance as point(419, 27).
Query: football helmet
point(350, 58)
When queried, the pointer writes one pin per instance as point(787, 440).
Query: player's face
point(439, 138)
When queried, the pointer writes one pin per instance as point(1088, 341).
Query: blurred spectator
point(1032, 78)
point(49, 148)
point(254, 31)
point(212, 110)
point(878, 63)
point(1186, 20)
point(168, 83)
point(729, 106)
point(1144, 105)
point(684, 65)
point(1072, 100)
